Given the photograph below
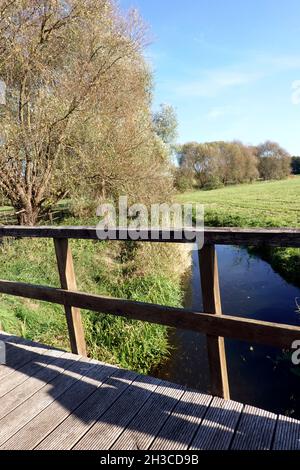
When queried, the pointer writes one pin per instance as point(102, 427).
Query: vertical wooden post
point(68, 282)
point(212, 304)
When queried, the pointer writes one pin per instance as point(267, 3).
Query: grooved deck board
point(26, 389)
point(18, 353)
point(255, 430)
point(29, 369)
point(180, 427)
point(287, 435)
point(69, 371)
point(39, 427)
point(108, 428)
point(217, 428)
point(51, 399)
point(149, 420)
point(68, 433)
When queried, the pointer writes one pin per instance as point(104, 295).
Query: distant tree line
point(214, 164)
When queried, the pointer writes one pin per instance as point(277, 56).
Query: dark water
point(259, 375)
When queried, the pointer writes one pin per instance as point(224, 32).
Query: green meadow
point(260, 204)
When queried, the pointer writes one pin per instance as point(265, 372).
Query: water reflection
point(259, 375)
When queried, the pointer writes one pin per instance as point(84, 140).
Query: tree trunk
point(27, 215)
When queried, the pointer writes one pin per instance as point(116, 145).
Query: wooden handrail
point(245, 329)
point(285, 237)
point(215, 325)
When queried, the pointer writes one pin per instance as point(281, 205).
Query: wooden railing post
point(68, 282)
point(212, 304)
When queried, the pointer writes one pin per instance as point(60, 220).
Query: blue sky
point(231, 68)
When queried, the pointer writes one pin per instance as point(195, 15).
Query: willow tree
point(76, 114)
point(215, 163)
point(274, 161)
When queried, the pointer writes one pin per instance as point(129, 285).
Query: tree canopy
point(274, 161)
point(76, 117)
point(219, 163)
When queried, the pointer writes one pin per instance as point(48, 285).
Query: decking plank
point(51, 399)
point(217, 428)
point(28, 388)
point(18, 353)
point(110, 425)
point(255, 430)
point(73, 371)
point(149, 420)
point(179, 429)
point(287, 435)
point(70, 431)
point(28, 370)
point(48, 419)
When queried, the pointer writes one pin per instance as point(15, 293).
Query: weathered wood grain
point(68, 282)
point(36, 362)
point(18, 352)
point(227, 326)
point(209, 274)
point(285, 237)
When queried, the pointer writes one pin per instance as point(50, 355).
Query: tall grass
point(109, 268)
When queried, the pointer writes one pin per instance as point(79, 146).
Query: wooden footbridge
point(51, 399)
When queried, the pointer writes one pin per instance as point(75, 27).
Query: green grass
point(112, 269)
point(262, 204)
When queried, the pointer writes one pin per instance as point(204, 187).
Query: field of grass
point(262, 204)
point(137, 272)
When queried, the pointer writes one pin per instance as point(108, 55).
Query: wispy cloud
point(211, 83)
point(221, 111)
point(280, 62)
point(215, 113)
point(215, 81)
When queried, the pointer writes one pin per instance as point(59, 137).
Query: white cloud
point(214, 82)
point(220, 111)
point(215, 113)
point(281, 62)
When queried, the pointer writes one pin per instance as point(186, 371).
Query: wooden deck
point(51, 399)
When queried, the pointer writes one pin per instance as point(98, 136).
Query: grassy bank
point(139, 272)
point(262, 204)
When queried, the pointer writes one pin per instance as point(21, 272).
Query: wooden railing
point(215, 325)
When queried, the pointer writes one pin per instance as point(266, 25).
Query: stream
point(259, 375)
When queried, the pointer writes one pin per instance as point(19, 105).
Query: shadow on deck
point(51, 399)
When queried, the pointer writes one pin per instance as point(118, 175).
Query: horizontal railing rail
point(285, 237)
point(246, 329)
point(215, 325)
